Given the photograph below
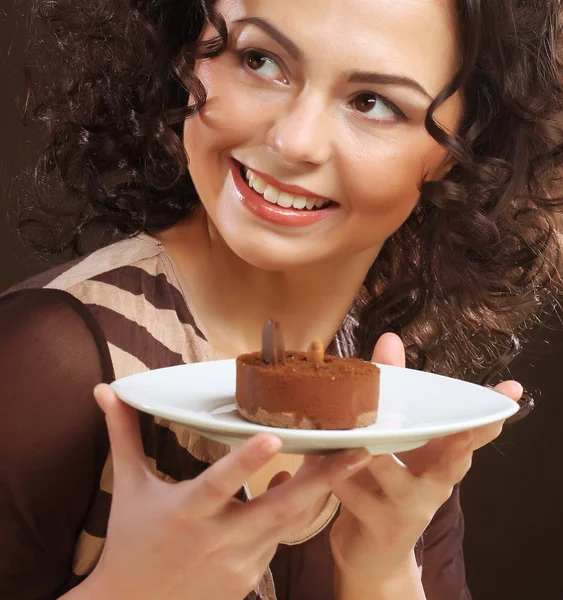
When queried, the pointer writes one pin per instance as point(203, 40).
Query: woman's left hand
point(387, 506)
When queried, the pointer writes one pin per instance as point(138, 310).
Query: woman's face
point(323, 101)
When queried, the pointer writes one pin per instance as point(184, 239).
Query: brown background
point(513, 497)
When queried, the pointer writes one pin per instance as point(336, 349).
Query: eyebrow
point(292, 49)
point(387, 79)
point(354, 76)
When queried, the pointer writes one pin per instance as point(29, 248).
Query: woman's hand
point(387, 506)
point(192, 539)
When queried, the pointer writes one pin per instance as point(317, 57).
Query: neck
point(232, 299)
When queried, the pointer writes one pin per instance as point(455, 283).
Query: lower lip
point(256, 204)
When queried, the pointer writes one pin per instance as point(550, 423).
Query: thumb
point(278, 479)
point(389, 350)
point(129, 461)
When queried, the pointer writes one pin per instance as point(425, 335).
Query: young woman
point(378, 174)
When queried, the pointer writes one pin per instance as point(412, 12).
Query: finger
point(311, 459)
point(278, 479)
point(510, 389)
point(436, 456)
point(281, 509)
point(216, 486)
point(442, 464)
point(385, 479)
point(454, 461)
point(486, 434)
point(128, 456)
point(361, 496)
point(389, 350)
point(418, 460)
point(393, 478)
point(421, 459)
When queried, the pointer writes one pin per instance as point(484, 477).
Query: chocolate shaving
point(316, 353)
point(273, 348)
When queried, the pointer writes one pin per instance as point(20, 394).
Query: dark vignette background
point(513, 497)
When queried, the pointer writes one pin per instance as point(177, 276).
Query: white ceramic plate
point(415, 407)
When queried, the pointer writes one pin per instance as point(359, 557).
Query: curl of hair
point(479, 258)
point(473, 266)
point(112, 82)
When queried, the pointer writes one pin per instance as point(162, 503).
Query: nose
point(302, 133)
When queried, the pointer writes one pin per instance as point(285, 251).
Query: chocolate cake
point(305, 390)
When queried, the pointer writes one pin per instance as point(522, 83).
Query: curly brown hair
point(460, 281)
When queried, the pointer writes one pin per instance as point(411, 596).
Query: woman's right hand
point(193, 539)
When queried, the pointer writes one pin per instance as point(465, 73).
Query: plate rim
point(361, 435)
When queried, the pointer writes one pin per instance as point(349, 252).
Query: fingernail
point(270, 445)
point(356, 460)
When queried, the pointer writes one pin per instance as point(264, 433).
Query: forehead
point(414, 37)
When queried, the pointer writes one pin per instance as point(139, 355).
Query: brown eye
point(262, 64)
point(255, 61)
point(365, 102)
point(376, 107)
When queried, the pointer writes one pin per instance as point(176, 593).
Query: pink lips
point(289, 217)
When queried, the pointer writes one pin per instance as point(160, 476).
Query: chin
point(267, 256)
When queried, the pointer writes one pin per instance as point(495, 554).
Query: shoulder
point(41, 324)
point(53, 439)
point(119, 277)
point(132, 278)
point(141, 252)
point(132, 290)
point(52, 355)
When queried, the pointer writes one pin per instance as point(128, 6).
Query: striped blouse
point(119, 311)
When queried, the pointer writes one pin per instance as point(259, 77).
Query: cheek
point(383, 180)
point(229, 117)
point(225, 121)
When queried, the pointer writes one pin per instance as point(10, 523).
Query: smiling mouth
point(273, 195)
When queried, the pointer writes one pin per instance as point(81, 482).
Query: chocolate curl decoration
point(316, 353)
point(273, 348)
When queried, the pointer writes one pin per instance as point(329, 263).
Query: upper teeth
point(276, 196)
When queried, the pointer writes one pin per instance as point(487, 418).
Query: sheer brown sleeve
point(443, 568)
point(53, 440)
